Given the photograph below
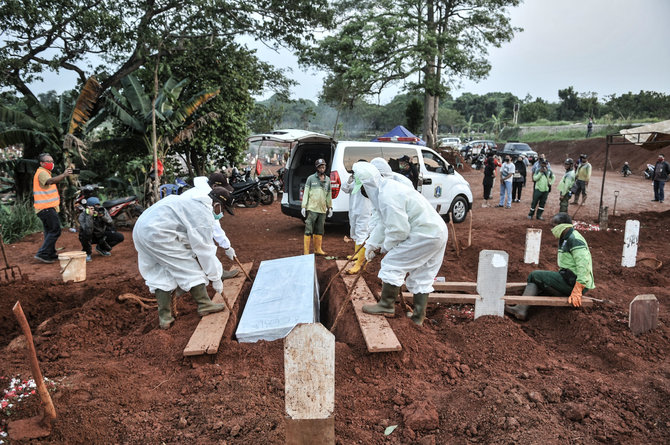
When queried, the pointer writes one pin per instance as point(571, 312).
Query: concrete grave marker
point(533, 242)
point(643, 314)
point(309, 372)
point(630, 239)
point(491, 283)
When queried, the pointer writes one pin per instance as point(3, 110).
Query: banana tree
point(137, 109)
point(62, 135)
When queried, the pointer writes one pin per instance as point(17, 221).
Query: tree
point(414, 114)
point(532, 111)
point(569, 107)
point(381, 42)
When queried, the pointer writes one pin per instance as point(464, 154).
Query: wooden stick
point(49, 410)
point(243, 270)
point(470, 231)
point(579, 207)
point(453, 229)
point(342, 270)
point(349, 296)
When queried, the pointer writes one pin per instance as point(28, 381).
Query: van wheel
point(459, 209)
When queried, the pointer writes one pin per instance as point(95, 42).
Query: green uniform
point(316, 199)
point(542, 183)
point(574, 261)
point(564, 187)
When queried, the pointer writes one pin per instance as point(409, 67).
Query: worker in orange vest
point(47, 205)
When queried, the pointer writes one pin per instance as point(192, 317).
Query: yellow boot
point(355, 249)
point(360, 258)
point(317, 245)
point(306, 242)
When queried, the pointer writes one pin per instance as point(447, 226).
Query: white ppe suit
point(360, 211)
point(173, 239)
point(409, 229)
point(201, 187)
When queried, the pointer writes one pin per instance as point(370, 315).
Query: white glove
point(230, 253)
point(303, 212)
point(351, 179)
point(217, 285)
point(370, 253)
point(330, 212)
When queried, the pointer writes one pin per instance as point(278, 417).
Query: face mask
point(48, 165)
point(217, 216)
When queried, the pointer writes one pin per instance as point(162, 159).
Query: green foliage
point(18, 220)
point(414, 115)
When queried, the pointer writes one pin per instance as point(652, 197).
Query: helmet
point(569, 161)
point(583, 156)
point(92, 201)
point(319, 162)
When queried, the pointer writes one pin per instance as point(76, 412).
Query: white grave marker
point(630, 240)
point(491, 283)
point(533, 242)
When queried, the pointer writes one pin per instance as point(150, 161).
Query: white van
point(432, 176)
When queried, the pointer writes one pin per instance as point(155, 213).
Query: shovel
point(8, 270)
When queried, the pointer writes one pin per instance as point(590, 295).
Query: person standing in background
point(661, 172)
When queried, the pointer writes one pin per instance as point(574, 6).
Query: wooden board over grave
point(471, 287)
point(377, 333)
point(445, 298)
point(207, 335)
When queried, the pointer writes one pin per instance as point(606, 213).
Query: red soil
point(564, 376)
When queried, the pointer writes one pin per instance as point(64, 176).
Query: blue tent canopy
point(400, 134)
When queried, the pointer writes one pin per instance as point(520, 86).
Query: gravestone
point(630, 239)
point(309, 372)
point(533, 242)
point(491, 283)
point(643, 314)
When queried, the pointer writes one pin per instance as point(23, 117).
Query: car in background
point(450, 142)
point(515, 149)
point(474, 148)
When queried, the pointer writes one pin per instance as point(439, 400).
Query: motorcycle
point(269, 185)
point(478, 162)
point(649, 172)
point(124, 211)
point(246, 191)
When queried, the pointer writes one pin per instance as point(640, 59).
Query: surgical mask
point(217, 216)
point(48, 165)
point(558, 230)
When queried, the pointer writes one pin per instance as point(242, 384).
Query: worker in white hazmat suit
point(412, 233)
point(386, 172)
point(173, 239)
point(202, 186)
point(360, 211)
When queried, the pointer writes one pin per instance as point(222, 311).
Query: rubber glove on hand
point(230, 253)
point(370, 252)
point(303, 212)
point(351, 179)
point(330, 212)
point(217, 285)
point(575, 297)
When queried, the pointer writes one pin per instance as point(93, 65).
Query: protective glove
point(330, 212)
point(351, 179)
point(230, 253)
point(370, 252)
point(217, 285)
point(575, 297)
point(303, 212)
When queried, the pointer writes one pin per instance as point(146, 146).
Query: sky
point(602, 46)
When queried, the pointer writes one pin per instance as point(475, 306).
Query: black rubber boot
point(164, 299)
point(205, 305)
point(386, 304)
point(420, 303)
point(520, 311)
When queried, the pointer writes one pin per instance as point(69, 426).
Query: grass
point(18, 220)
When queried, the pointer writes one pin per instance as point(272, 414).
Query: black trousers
point(51, 224)
point(516, 190)
point(106, 242)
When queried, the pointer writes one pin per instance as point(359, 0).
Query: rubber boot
point(360, 258)
point(229, 274)
point(386, 304)
point(419, 314)
point(307, 240)
point(520, 311)
point(355, 249)
point(318, 239)
point(164, 299)
point(205, 305)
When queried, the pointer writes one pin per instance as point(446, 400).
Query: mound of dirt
point(564, 376)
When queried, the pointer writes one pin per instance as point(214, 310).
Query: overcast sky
point(602, 46)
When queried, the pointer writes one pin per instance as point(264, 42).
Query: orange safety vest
point(44, 198)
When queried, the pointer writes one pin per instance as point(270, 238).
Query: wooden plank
point(530, 300)
point(466, 286)
point(377, 333)
point(207, 335)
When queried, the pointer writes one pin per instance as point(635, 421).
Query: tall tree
point(381, 42)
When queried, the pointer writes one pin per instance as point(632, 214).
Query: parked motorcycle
point(649, 172)
point(124, 211)
point(269, 185)
point(246, 191)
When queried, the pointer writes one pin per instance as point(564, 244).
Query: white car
point(433, 177)
point(451, 142)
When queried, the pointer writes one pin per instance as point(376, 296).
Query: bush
point(18, 220)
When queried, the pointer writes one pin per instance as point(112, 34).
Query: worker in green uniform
point(565, 186)
point(575, 269)
point(543, 178)
point(317, 203)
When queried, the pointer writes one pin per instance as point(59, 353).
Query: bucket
point(73, 266)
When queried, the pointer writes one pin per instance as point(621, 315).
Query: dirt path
point(564, 376)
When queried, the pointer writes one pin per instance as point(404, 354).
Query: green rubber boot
point(386, 305)
point(164, 299)
point(205, 305)
point(419, 314)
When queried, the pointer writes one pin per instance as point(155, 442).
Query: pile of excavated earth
point(565, 375)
